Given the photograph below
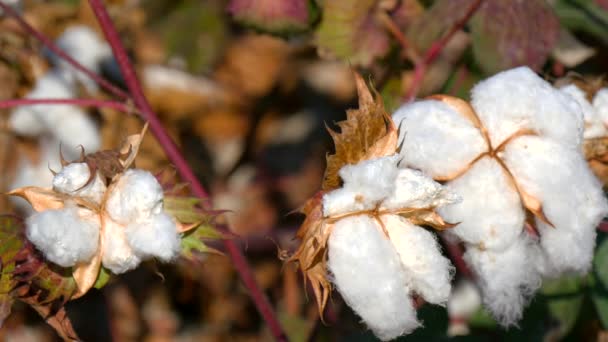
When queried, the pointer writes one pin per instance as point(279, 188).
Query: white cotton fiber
point(118, 256)
point(368, 273)
point(430, 273)
point(508, 278)
point(72, 179)
point(63, 236)
point(136, 196)
point(436, 139)
point(594, 127)
point(464, 301)
point(600, 104)
point(366, 184)
point(572, 198)
point(413, 189)
point(518, 99)
point(490, 214)
point(155, 237)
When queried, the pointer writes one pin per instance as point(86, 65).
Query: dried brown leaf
point(40, 198)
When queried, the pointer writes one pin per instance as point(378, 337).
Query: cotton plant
point(514, 153)
point(103, 216)
point(363, 232)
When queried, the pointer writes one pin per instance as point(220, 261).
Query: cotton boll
point(118, 256)
point(413, 189)
point(63, 236)
point(594, 127)
point(518, 99)
point(368, 273)
point(430, 272)
point(572, 198)
point(507, 278)
point(155, 237)
point(135, 197)
point(73, 178)
point(600, 104)
point(491, 213)
point(436, 139)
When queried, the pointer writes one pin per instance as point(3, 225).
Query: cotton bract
point(517, 146)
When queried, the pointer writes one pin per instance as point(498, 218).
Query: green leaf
point(564, 299)
point(600, 263)
point(599, 296)
point(583, 16)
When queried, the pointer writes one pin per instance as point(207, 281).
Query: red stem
point(156, 127)
point(107, 85)
point(435, 50)
point(119, 106)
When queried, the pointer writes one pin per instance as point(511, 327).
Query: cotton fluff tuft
point(429, 271)
point(438, 140)
point(136, 196)
point(72, 180)
point(600, 104)
point(594, 127)
point(508, 279)
point(518, 99)
point(63, 236)
point(368, 273)
point(366, 184)
point(413, 189)
point(154, 237)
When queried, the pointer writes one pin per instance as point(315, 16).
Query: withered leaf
point(368, 132)
point(41, 199)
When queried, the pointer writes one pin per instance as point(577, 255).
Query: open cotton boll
point(436, 139)
point(507, 278)
point(135, 197)
point(155, 237)
point(600, 104)
point(490, 214)
point(413, 189)
point(63, 236)
point(365, 185)
point(429, 271)
point(118, 256)
point(518, 99)
point(368, 273)
point(594, 127)
point(572, 198)
point(72, 179)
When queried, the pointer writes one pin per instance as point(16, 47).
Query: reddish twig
point(455, 253)
point(603, 227)
point(119, 106)
point(156, 127)
point(107, 85)
point(433, 52)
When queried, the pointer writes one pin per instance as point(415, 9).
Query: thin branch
point(407, 49)
point(119, 106)
point(107, 85)
point(156, 127)
point(435, 50)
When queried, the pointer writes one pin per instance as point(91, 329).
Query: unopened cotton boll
point(594, 127)
point(118, 256)
point(65, 237)
point(413, 189)
point(155, 237)
point(436, 138)
point(136, 196)
point(429, 271)
point(518, 99)
point(508, 278)
point(572, 198)
point(490, 214)
point(73, 178)
point(367, 271)
point(600, 104)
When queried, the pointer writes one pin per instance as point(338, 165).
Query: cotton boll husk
point(490, 214)
point(429, 271)
point(572, 198)
point(518, 99)
point(413, 189)
point(135, 197)
point(594, 127)
point(72, 179)
point(436, 139)
point(600, 103)
point(118, 256)
point(368, 273)
point(155, 237)
point(65, 237)
point(365, 185)
point(507, 278)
